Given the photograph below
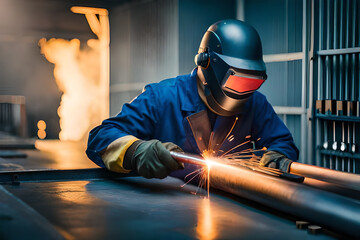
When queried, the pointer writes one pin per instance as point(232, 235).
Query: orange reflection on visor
point(242, 84)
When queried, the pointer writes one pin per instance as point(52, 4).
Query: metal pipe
point(354, 75)
point(348, 77)
point(188, 158)
point(312, 125)
point(347, 180)
point(304, 70)
point(336, 83)
point(326, 209)
point(342, 82)
point(197, 160)
point(320, 84)
point(331, 187)
point(346, 50)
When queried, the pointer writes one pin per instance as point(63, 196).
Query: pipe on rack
point(347, 180)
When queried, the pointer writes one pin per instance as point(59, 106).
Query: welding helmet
point(231, 66)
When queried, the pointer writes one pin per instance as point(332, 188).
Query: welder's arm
point(108, 142)
point(272, 133)
point(150, 159)
point(277, 160)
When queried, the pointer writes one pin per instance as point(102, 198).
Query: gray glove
point(152, 159)
point(275, 160)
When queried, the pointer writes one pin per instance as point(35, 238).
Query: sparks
point(214, 155)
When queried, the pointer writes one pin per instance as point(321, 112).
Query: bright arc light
point(211, 161)
point(208, 163)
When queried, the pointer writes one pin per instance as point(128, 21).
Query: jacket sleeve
point(270, 131)
point(137, 120)
point(114, 154)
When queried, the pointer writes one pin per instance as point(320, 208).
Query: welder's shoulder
point(259, 103)
point(258, 98)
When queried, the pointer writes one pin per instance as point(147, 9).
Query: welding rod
point(198, 160)
point(188, 158)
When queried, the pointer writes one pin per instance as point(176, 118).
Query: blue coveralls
point(163, 111)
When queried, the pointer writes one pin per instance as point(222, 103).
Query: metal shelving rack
point(334, 76)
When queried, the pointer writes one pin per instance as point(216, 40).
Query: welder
point(219, 98)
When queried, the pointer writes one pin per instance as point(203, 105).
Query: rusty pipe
point(347, 180)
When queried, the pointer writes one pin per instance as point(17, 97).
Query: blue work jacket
point(165, 110)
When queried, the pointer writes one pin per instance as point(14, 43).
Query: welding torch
point(199, 161)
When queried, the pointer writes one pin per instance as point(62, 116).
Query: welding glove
point(152, 159)
point(275, 160)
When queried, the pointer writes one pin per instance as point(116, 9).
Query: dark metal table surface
point(138, 208)
point(126, 208)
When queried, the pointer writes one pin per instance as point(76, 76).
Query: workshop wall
point(23, 70)
point(144, 40)
point(279, 23)
point(194, 19)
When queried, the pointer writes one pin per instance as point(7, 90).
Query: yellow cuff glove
point(113, 156)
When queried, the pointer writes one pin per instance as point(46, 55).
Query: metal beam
point(353, 119)
point(289, 110)
point(60, 175)
point(125, 87)
point(240, 10)
point(283, 57)
point(304, 78)
point(340, 51)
